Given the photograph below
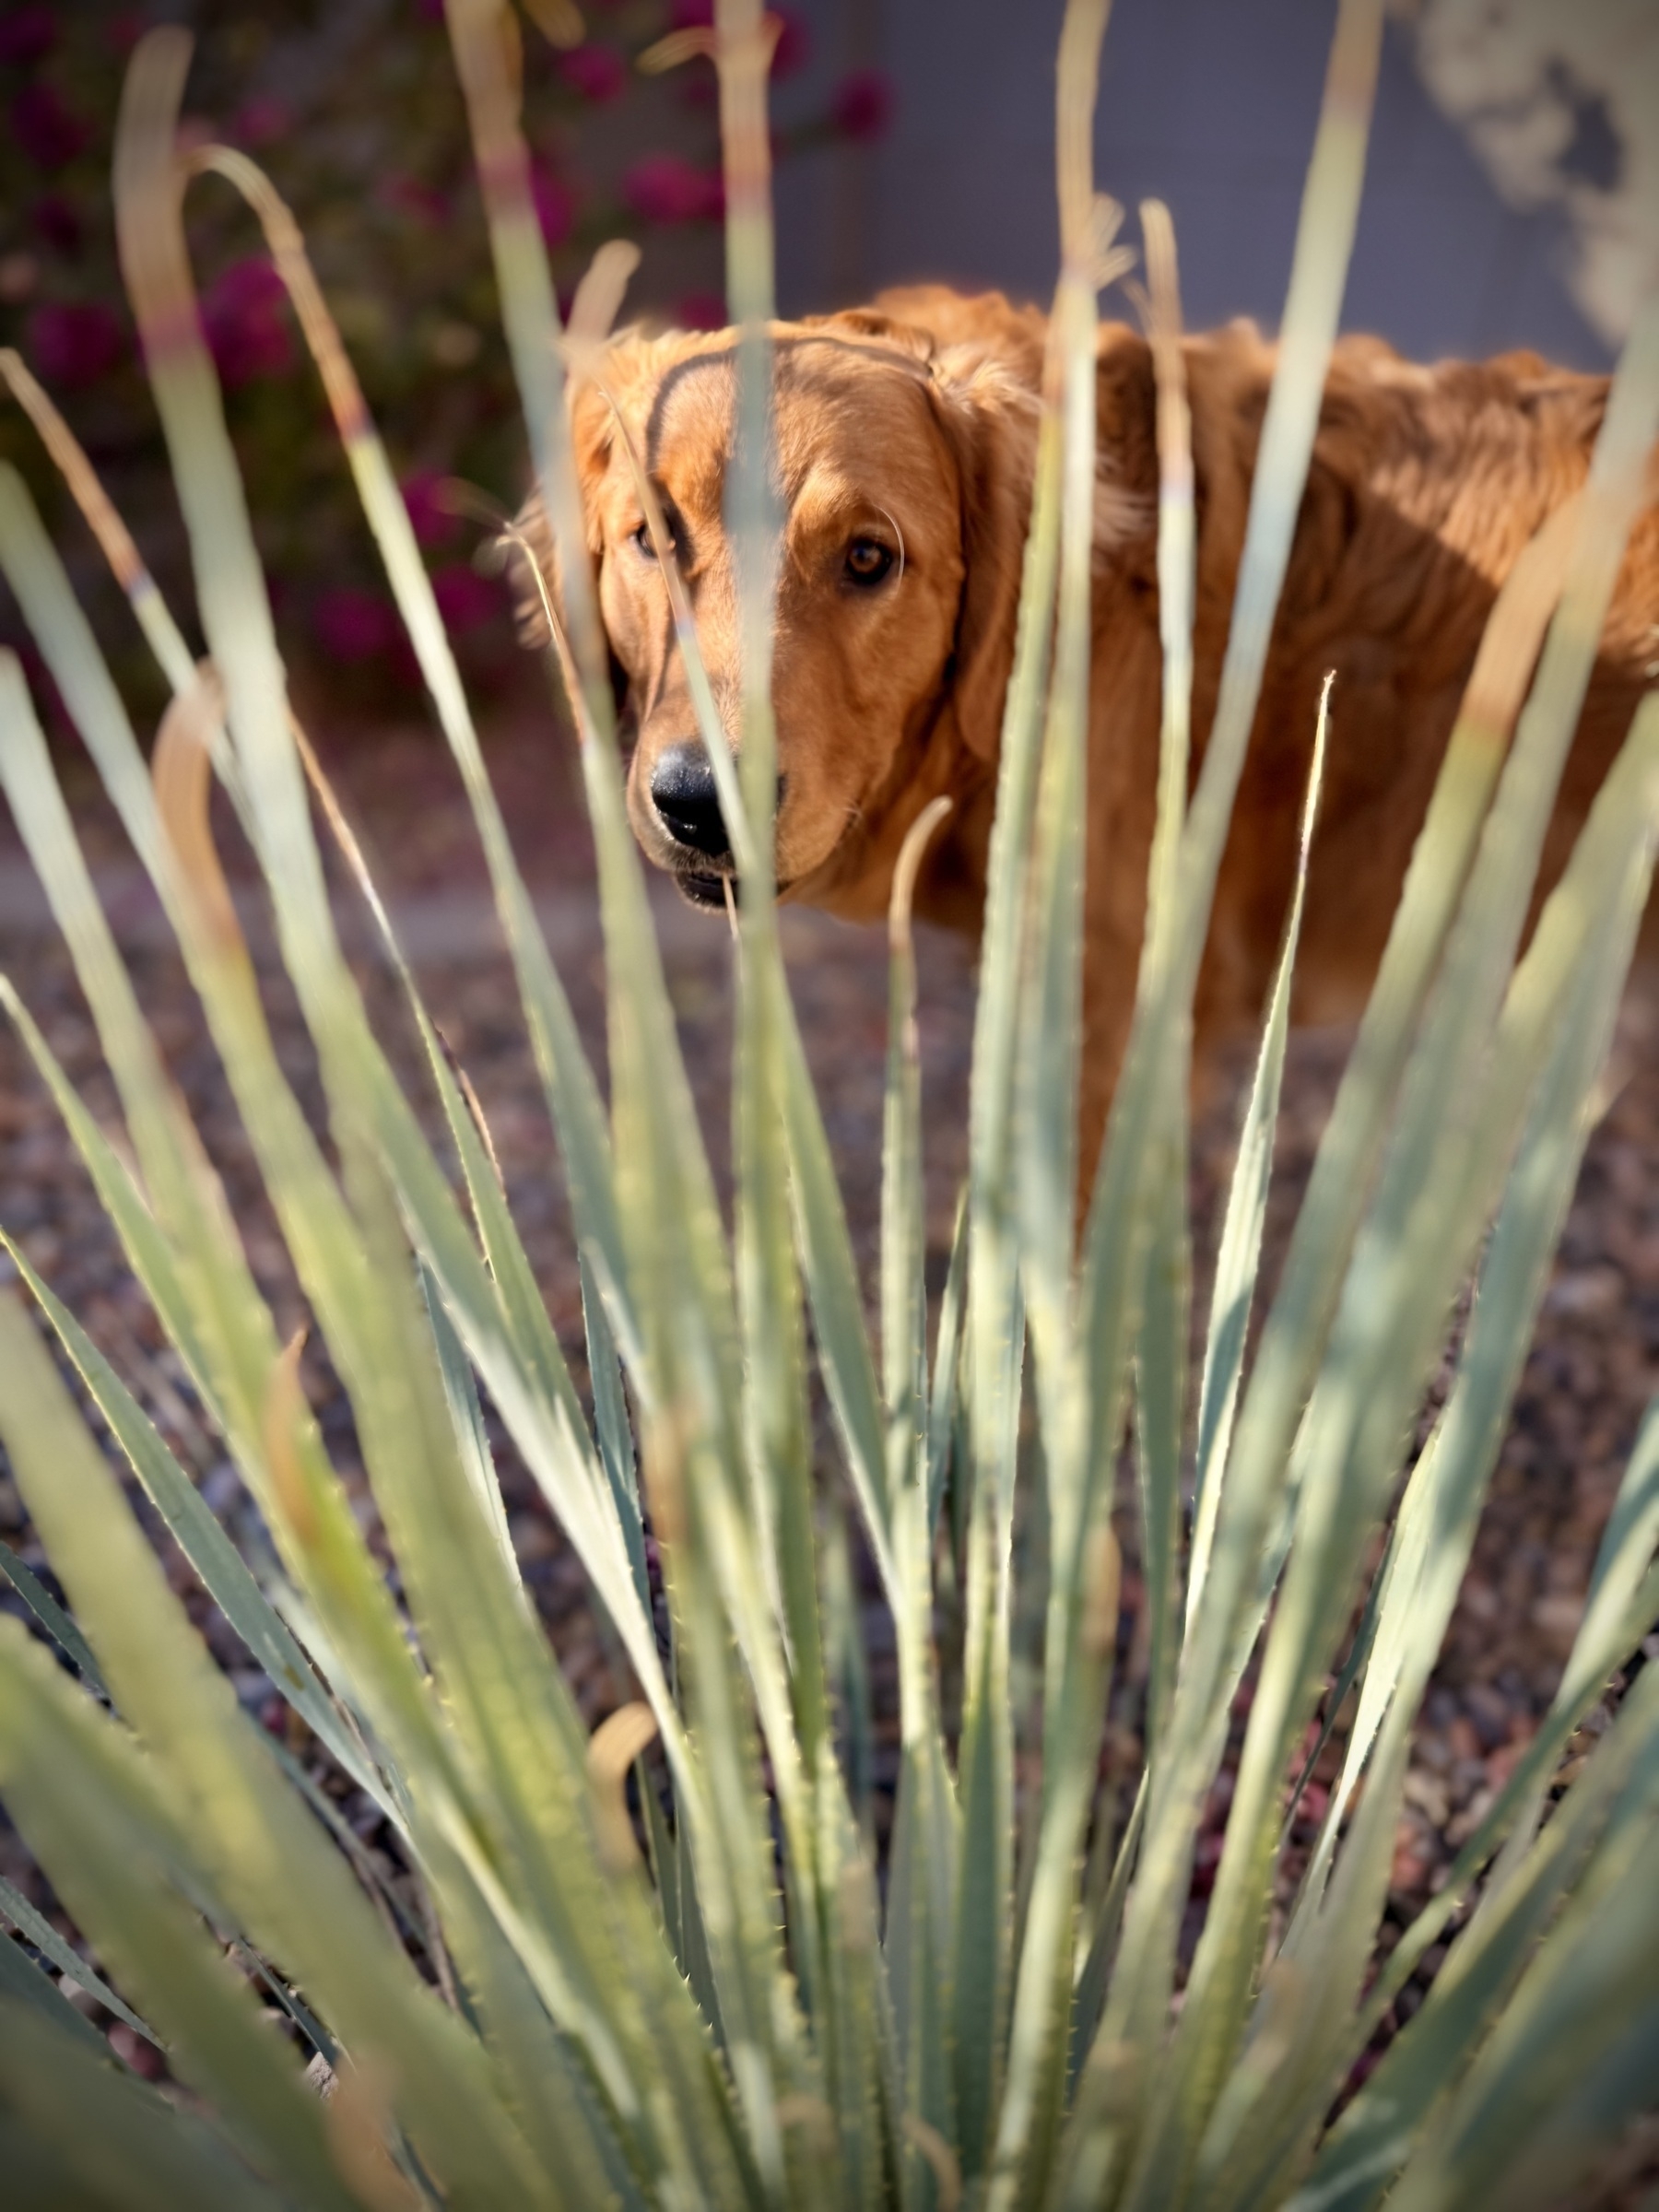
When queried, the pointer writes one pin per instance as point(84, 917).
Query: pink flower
point(355, 626)
point(434, 522)
point(49, 134)
point(245, 319)
point(861, 107)
point(193, 133)
point(664, 189)
point(72, 345)
point(262, 120)
point(27, 34)
point(464, 600)
point(701, 310)
point(691, 14)
point(793, 49)
point(555, 206)
point(408, 195)
point(596, 73)
point(56, 221)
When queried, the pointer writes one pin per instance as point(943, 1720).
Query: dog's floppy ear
point(537, 542)
point(990, 420)
point(592, 437)
point(990, 424)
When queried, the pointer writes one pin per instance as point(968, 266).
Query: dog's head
point(902, 474)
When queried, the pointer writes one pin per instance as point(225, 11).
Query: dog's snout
point(683, 792)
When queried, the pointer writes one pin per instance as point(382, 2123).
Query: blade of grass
point(216, 1559)
point(1238, 1260)
point(52, 1618)
point(113, 2140)
point(518, 1704)
point(672, 1224)
point(1143, 1977)
point(1297, 1330)
point(40, 1931)
point(1453, 1138)
point(258, 1846)
point(1081, 1623)
point(55, 1756)
point(1373, 2139)
point(466, 1416)
point(1329, 1942)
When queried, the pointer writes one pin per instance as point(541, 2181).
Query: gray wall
point(1210, 105)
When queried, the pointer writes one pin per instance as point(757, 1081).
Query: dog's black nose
point(682, 791)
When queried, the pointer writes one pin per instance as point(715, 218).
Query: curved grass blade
point(572, 1094)
point(452, 1569)
point(164, 638)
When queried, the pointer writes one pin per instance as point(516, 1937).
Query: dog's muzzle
point(687, 803)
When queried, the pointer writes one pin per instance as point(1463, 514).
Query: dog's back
point(1427, 486)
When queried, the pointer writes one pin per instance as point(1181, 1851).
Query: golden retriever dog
point(905, 441)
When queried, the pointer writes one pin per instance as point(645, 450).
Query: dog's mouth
point(709, 888)
point(697, 888)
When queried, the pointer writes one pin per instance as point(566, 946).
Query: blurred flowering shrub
point(353, 109)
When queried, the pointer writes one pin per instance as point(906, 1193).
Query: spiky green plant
point(756, 2013)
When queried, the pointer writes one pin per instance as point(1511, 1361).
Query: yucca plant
point(714, 1991)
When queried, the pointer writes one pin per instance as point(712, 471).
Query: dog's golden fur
point(912, 426)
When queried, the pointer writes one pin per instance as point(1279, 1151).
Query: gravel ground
point(1590, 1375)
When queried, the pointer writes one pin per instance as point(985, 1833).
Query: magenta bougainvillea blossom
point(598, 73)
point(353, 626)
point(27, 34)
point(665, 188)
point(555, 207)
point(56, 221)
point(354, 112)
point(44, 129)
point(249, 328)
point(262, 120)
point(73, 344)
point(434, 519)
point(862, 105)
point(466, 600)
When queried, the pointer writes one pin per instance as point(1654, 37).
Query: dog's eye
point(640, 540)
point(868, 560)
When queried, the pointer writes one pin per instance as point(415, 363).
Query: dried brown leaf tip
point(1103, 1588)
point(356, 2116)
point(612, 1750)
point(182, 772)
point(285, 1409)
